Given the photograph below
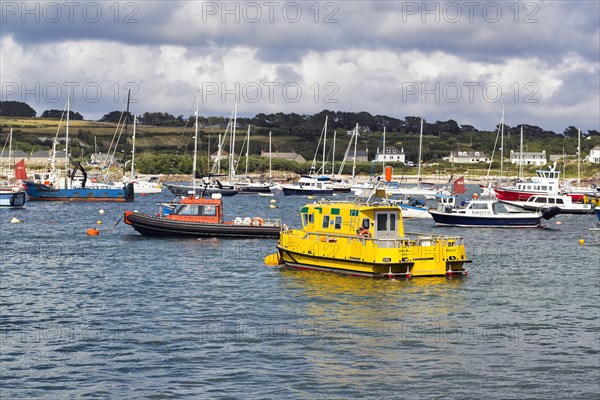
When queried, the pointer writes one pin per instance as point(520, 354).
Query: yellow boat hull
point(418, 256)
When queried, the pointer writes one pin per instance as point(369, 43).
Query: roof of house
point(467, 154)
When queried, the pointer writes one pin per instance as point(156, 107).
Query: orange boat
point(201, 217)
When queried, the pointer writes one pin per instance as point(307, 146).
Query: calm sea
point(126, 316)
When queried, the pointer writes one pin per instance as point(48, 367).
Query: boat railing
point(409, 239)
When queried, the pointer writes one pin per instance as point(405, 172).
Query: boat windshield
point(499, 208)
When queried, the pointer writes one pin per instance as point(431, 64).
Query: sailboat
point(246, 185)
point(428, 192)
point(208, 186)
point(149, 185)
point(313, 184)
point(14, 197)
point(63, 185)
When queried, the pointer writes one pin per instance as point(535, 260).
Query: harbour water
point(121, 315)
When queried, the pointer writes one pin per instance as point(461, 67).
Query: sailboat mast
point(502, 145)
point(247, 147)
point(232, 145)
point(270, 158)
point(67, 131)
point(521, 155)
point(324, 143)
point(383, 159)
point(420, 153)
point(354, 160)
point(578, 157)
point(195, 160)
point(133, 147)
point(333, 155)
point(11, 155)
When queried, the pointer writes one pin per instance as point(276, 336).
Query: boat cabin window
point(551, 200)
point(366, 223)
point(325, 221)
point(338, 223)
point(382, 222)
point(392, 222)
point(499, 208)
point(559, 201)
point(540, 200)
point(479, 206)
point(209, 211)
point(304, 219)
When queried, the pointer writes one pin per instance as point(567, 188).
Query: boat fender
point(257, 221)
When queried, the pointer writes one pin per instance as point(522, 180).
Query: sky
point(463, 60)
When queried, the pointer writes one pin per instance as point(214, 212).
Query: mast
point(324, 142)
point(578, 157)
point(354, 161)
point(270, 158)
point(11, 154)
point(208, 154)
point(383, 162)
point(126, 126)
point(67, 131)
point(420, 152)
point(502, 145)
point(333, 156)
point(247, 147)
point(195, 143)
point(133, 147)
point(232, 145)
point(521, 155)
point(218, 156)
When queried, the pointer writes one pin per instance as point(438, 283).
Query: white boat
point(10, 199)
point(490, 214)
point(310, 186)
point(545, 201)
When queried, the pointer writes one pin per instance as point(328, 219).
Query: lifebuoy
point(257, 221)
point(364, 233)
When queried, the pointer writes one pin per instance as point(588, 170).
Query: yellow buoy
point(93, 232)
point(98, 222)
point(311, 197)
point(15, 221)
point(273, 260)
point(272, 206)
point(581, 241)
point(273, 201)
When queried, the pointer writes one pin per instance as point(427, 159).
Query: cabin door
point(386, 225)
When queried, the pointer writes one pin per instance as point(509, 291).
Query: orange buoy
point(93, 232)
point(388, 173)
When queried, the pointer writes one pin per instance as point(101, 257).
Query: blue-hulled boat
point(490, 214)
point(42, 192)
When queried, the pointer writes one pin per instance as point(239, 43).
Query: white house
point(467, 157)
point(594, 156)
point(391, 154)
point(528, 158)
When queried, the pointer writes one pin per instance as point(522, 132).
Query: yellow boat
point(366, 237)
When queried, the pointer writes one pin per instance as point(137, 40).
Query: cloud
point(447, 60)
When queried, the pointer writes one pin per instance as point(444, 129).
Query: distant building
point(292, 156)
point(361, 156)
point(594, 156)
point(467, 157)
point(14, 158)
point(215, 155)
point(102, 159)
point(44, 158)
point(391, 154)
point(528, 158)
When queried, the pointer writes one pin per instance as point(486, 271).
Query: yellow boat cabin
point(366, 237)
